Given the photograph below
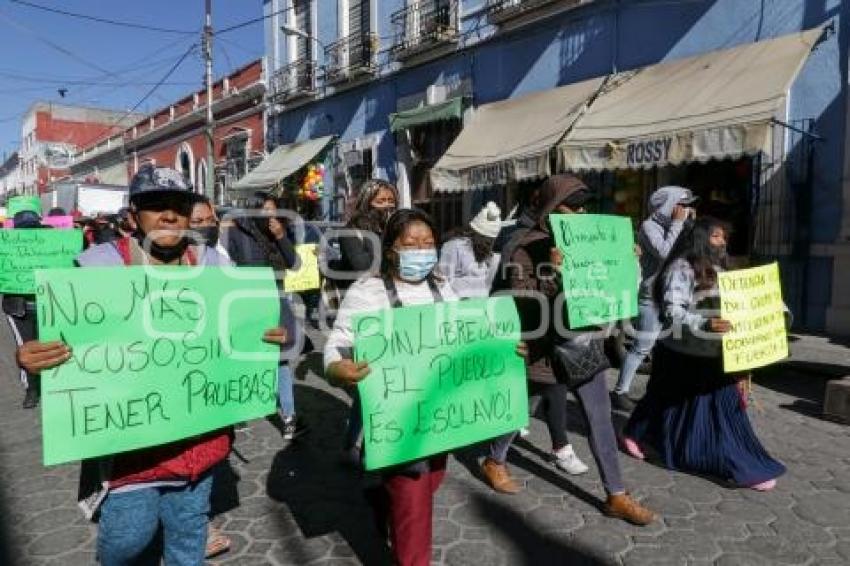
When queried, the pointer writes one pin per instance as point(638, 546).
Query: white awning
point(712, 106)
point(510, 140)
point(281, 163)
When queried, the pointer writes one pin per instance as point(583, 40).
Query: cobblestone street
point(300, 503)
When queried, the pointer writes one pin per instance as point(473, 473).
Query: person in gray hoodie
point(671, 208)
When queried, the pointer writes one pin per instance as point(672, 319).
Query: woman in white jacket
point(467, 260)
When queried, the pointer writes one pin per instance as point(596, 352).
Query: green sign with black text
point(159, 355)
point(600, 271)
point(23, 250)
point(442, 376)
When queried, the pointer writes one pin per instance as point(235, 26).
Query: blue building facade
point(343, 68)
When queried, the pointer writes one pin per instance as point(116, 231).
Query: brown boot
point(623, 506)
point(498, 477)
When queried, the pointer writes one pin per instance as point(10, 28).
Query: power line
point(147, 95)
point(101, 20)
point(251, 21)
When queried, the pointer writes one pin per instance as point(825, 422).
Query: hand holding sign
point(35, 356)
point(159, 354)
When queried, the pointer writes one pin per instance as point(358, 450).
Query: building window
point(237, 156)
point(201, 177)
point(185, 163)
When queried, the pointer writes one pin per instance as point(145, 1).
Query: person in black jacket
point(376, 201)
point(259, 239)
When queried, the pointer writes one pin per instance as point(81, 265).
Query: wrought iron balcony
point(293, 81)
point(350, 56)
point(500, 11)
point(424, 25)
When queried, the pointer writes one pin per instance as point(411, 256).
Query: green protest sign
point(22, 203)
point(442, 376)
point(23, 250)
point(159, 354)
point(600, 270)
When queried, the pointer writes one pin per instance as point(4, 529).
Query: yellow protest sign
point(306, 277)
point(751, 299)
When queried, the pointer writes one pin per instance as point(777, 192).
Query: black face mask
point(165, 254)
point(207, 235)
point(718, 255)
point(382, 215)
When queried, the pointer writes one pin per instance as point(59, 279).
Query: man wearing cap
point(671, 207)
point(166, 485)
point(25, 212)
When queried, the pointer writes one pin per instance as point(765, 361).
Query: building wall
point(70, 128)
point(589, 41)
point(164, 152)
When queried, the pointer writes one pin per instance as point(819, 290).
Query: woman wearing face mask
point(694, 415)
point(533, 273)
point(376, 201)
point(406, 278)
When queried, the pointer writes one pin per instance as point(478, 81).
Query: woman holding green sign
point(534, 274)
point(693, 414)
point(406, 278)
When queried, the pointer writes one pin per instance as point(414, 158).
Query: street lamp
point(289, 30)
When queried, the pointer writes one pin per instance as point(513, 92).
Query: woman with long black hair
point(693, 414)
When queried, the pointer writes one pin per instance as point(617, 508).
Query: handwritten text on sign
point(442, 376)
point(159, 354)
point(24, 250)
point(599, 272)
point(306, 277)
point(751, 299)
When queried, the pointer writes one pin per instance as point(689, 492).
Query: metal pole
point(209, 182)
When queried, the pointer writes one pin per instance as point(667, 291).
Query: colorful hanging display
point(313, 183)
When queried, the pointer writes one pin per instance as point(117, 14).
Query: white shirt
point(368, 294)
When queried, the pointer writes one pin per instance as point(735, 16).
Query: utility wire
point(147, 95)
point(102, 20)
point(251, 21)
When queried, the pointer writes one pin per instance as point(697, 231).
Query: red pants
point(411, 504)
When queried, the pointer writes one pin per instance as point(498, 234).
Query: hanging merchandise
point(313, 182)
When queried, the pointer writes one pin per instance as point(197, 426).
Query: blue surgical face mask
point(415, 265)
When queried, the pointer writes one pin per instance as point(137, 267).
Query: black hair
point(57, 211)
point(482, 246)
point(694, 246)
point(396, 225)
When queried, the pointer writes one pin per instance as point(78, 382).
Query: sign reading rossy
point(751, 299)
point(600, 270)
point(23, 250)
point(442, 376)
point(158, 355)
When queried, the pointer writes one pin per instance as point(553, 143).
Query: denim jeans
point(648, 327)
point(285, 395)
point(129, 522)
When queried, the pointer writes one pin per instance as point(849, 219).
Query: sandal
point(217, 543)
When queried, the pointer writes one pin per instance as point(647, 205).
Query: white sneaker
point(523, 432)
point(566, 459)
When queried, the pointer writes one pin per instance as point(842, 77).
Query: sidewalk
point(299, 504)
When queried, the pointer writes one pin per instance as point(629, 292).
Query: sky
point(111, 66)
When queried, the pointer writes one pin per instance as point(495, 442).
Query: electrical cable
point(101, 20)
point(147, 95)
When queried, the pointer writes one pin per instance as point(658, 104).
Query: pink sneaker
point(763, 486)
point(632, 448)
